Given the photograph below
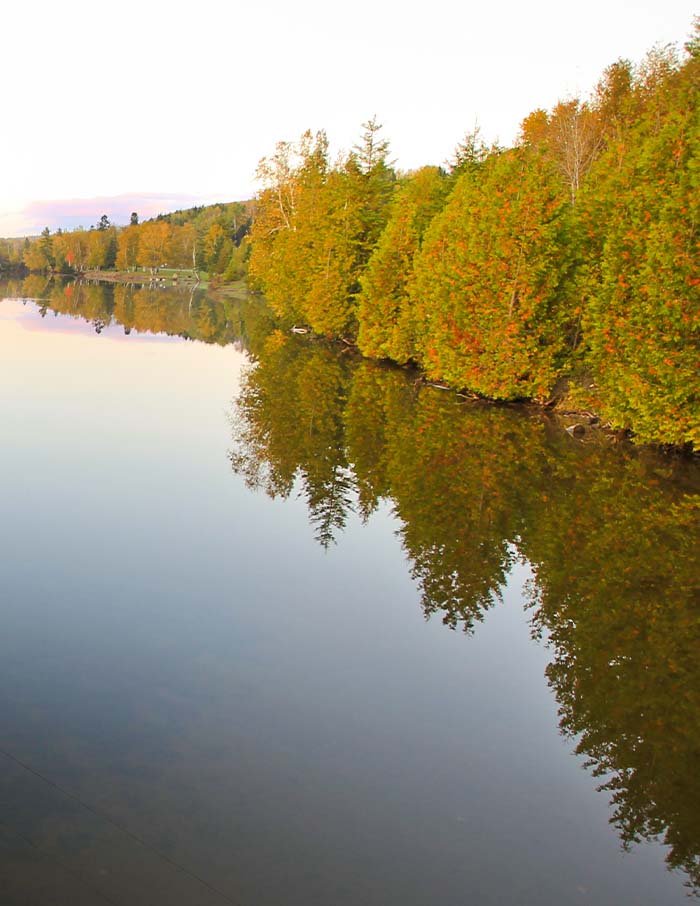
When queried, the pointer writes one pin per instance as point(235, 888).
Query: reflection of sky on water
point(27, 314)
point(280, 720)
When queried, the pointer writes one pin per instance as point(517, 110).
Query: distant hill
point(71, 213)
point(206, 238)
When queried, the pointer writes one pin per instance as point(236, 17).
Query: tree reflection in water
point(611, 534)
point(176, 311)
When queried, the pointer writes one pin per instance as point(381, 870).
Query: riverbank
point(574, 405)
point(145, 277)
point(576, 401)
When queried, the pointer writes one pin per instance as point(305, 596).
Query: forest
point(204, 239)
point(563, 268)
point(564, 264)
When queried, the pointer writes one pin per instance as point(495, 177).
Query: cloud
point(69, 213)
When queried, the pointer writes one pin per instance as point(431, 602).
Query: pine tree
point(386, 328)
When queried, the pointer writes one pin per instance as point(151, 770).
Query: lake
point(283, 626)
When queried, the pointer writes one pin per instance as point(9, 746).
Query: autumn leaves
point(572, 253)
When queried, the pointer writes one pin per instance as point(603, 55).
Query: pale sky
point(156, 99)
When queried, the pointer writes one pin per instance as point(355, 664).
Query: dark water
point(310, 633)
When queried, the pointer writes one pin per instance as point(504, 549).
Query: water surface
point(283, 626)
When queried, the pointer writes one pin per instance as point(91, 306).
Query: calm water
point(308, 633)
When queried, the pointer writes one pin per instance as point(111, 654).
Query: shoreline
point(138, 277)
point(581, 423)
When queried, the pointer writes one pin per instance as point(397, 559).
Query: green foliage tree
point(46, 245)
point(271, 257)
point(35, 258)
point(111, 247)
point(38, 254)
point(490, 290)
point(315, 228)
point(237, 265)
point(385, 315)
point(642, 320)
point(372, 173)
point(469, 154)
point(59, 245)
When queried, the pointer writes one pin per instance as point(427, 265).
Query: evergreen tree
point(642, 320)
point(316, 227)
point(386, 324)
point(373, 173)
point(489, 294)
point(46, 247)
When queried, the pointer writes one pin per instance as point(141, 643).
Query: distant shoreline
point(138, 277)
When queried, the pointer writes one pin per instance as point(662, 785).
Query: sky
point(108, 107)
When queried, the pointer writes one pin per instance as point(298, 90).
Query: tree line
point(569, 260)
point(210, 239)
